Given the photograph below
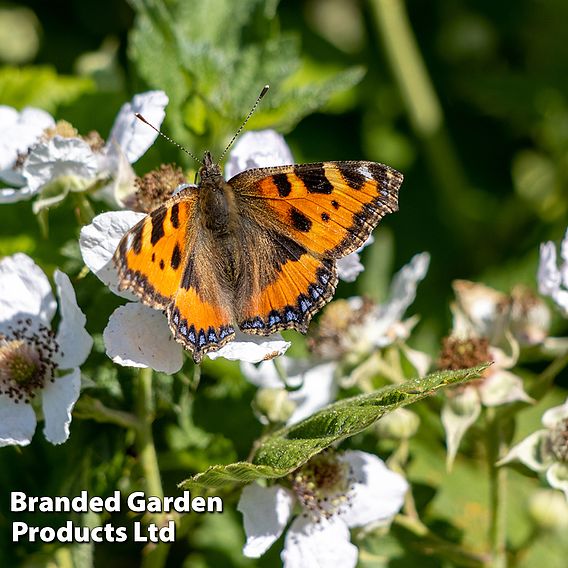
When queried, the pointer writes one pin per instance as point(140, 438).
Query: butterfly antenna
point(262, 93)
point(140, 117)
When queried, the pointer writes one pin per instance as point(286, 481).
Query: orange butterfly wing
point(315, 213)
point(158, 259)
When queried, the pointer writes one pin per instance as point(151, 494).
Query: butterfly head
point(209, 169)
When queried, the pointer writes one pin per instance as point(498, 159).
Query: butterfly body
point(255, 253)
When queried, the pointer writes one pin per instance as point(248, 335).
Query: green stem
point(83, 208)
point(154, 556)
point(92, 408)
point(497, 491)
point(430, 543)
point(545, 379)
point(144, 439)
point(425, 113)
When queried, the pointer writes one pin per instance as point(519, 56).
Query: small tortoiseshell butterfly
point(257, 252)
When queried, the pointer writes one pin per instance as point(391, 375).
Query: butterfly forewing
point(161, 260)
point(328, 207)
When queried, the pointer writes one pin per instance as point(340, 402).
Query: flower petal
point(25, 291)
point(58, 399)
point(319, 545)
point(318, 390)
point(349, 267)
point(19, 131)
point(59, 157)
point(258, 149)
point(121, 189)
point(553, 416)
point(418, 359)
point(402, 292)
point(17, 422)
point(132, 135)
point(502, 387)
point(548, 274)
point(139, 336)
point(459, 412)
point(557, 477)
point(266, 511)
point(532, 451)
point(72, 337)
point(13, 195)
point(479, 311)
point(98, 243)
point(252, 348)
point(377, 494)
point(264, 374)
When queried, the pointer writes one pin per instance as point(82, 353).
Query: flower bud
point(400, 424)
point(273, 404)
point(549, 510)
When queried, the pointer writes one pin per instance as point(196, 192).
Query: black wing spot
point(314, 178)
point(174, 215)
point(176, 257)
point(162, 264)
point(137, 237)
point(334, 204)
point(282, 184)
point(158, 217)
point(325, 217)
point(352, 177)
point(299, 221)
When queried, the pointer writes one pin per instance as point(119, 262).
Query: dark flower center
point(463, 353)
point(156, 186)
point(559, 441)
point(323, 485)
point(26, 360)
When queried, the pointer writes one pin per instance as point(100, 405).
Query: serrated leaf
point(288, 448)
point(210, 53)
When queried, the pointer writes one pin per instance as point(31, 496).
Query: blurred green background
point(468, 99)
point(479, 128)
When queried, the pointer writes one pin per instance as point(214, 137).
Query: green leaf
point(40, 87)
point(288, 448)
point(212, 61)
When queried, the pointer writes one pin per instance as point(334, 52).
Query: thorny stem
point(497, 490)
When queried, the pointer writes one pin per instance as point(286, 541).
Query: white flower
point(552, 278)
point(37, 365)
point(336, 492)
point(137, 335)
point(481, 311)
point(56, 165)
point(357, 326)
point(19, 131)
point(312, 386)
point(546, 451)
point(483, 324)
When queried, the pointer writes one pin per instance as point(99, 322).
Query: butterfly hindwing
point(156, 259)
point(291, 286)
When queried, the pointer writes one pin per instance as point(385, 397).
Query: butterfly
point(257, 252)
